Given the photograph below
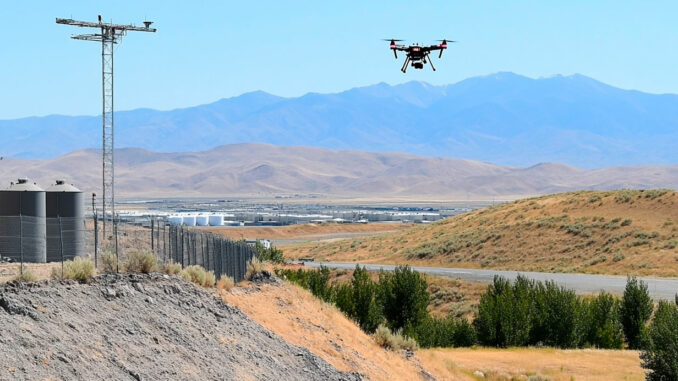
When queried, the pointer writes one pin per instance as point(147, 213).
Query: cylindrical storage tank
point(22, 222)
point(175, 220)
point(189, 220)
point(65, 212)
point(216, 220)
point(201, 220)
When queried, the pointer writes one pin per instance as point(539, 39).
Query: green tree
point(343, 298)
point(604, 327)
point(404, 298)
point(504, 313)
point(365, 308)
point(661, 355)
point(318, 283)
point(634, 312)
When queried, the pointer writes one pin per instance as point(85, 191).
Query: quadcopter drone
point(417, 55)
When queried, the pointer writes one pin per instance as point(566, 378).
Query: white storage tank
point(216, 220)
point(189, 220)
point(201, 220)
point(175, 220)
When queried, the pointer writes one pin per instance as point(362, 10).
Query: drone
point(417, 55)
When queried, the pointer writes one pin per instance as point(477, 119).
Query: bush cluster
point(272, 254)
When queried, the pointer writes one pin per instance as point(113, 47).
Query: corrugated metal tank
point(201, 220)
point(216, 220)
point(65, 220)
point(22, 222)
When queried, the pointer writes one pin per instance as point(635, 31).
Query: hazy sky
point(218, 49)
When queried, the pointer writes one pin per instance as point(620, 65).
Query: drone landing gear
point(404, 68)
point(431, 62)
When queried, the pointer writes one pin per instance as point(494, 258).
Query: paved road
point(659, 288)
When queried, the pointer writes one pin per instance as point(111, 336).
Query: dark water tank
point(22, 222)
point(65, 222)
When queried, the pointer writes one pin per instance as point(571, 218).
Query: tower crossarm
point(117, 27)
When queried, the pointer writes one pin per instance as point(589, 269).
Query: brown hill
point(618, 232)
point(265, 170)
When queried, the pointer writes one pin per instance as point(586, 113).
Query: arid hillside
point(617, 232)
point(265, 170)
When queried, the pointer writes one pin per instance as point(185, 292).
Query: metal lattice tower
point(110, 34)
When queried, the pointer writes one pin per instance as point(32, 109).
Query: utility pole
point(108, 34)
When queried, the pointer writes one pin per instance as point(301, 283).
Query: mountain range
point(267, 170)
point(502, 118)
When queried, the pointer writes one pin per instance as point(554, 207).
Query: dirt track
point(141, 328)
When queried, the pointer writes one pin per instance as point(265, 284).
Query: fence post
point(152, 237)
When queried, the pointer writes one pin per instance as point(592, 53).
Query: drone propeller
point(393, 44)
point(443, 44)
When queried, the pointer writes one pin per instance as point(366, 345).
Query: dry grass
point(108, 262)
point(79, 269)
point(619, 232)
point(225, 283)
point(199, 276)
point(255, 266)
point(393, 340)
point(519, 363)
point(24, 276)
point(301, 319)
point(171, 268)
point(141, 261)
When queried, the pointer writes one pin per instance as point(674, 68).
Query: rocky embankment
point(140, 327)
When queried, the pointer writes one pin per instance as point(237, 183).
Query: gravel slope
point(138, 327)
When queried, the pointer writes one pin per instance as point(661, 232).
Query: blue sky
point(207, 50)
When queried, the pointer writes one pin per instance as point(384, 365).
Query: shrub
point(27, 275)
point(141, 261)
point(393, 340)
point(108, 262)
point(626, 222)
point(635, 310)
point(171, 268)
point(661, 355)
point(226, 283)
point(272, 254)
point(255, 266)
point(79, 269)
point(199, 276)
point(618, 257)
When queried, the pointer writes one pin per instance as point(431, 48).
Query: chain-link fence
point(183, 245)
point(38, 240)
